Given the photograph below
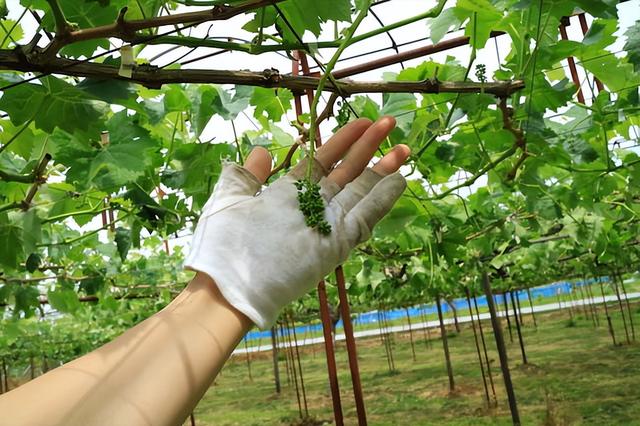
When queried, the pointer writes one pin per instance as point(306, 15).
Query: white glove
point(257, 248)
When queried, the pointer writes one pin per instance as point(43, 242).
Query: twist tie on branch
point(39, 179)
point(272, 76)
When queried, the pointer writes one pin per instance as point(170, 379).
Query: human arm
point(156, 372)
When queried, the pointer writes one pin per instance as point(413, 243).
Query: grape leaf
point(11, 243)
point(272, 102)
point(483, 17)
point(302, 15)
point(54, 103)
point(33, 262)
point(10, 31)
point(123, 242)
point(632, 46)
point(65, 301)
point(441, 25)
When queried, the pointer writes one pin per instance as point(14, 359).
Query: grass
point(575, 376)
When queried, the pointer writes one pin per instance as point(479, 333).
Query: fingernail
point(388, 120)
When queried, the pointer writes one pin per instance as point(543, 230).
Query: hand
point(255, 244)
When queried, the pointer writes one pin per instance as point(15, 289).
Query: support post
point(445, 346)
point(506, 314)
point(331, 358)
point(475, 338)
point(276, 369)
point(351, 347)
point(502, 350)
point(518, 328)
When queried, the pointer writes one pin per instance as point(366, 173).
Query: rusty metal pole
point(572, 63)
point(404, 56)
point(585, 29)
point(331, 358)
point(351, 347)
point(300, 61)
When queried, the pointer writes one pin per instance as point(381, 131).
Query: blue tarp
point(550, 290)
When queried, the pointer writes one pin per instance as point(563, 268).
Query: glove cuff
point(232, 291)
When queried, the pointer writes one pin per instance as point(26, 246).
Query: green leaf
point(54, 103)
point(110, 91)
point(202, 106)
point(308, 15)
point(85, 14)
point(3, 10)
point(11, 244)
point(33, 262)
point(232, 105)
point(199, 168)
point(272, 102)
point(65, 301)
point(9, 30)
point(123, 242)
point(131, 152)
point(31, 230)
point(483, 17)
point(175, 99)
point(92, 285)
point(26, 300)
point(440, 26)
point(632, 46)
point(26, 142)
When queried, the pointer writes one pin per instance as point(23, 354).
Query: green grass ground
point(575, 376)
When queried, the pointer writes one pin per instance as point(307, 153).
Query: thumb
point(259, 163)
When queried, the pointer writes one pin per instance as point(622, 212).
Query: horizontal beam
point(154, 77)
point(128, 30)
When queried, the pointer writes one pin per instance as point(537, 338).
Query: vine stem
point(348, 36)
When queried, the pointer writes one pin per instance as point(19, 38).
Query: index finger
point(338, 145)
point(362, 151)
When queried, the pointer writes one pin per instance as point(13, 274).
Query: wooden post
point(606, 312)
point(475, 338)
point(6, 375)
point(248, 356)
point(626, 299)
point(276, 369)
point(413, 349)
point(533, 314)
point(502, 351)
point(518, 328)
point(445, 346)
point(624, 317)
point(506, 314)
point(295, 342)
point(521, 317)
point(486, 354)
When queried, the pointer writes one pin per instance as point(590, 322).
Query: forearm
point(153, 374)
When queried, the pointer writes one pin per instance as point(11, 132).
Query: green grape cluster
point(344, 114)
point(312, 205)
point(481, 73)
